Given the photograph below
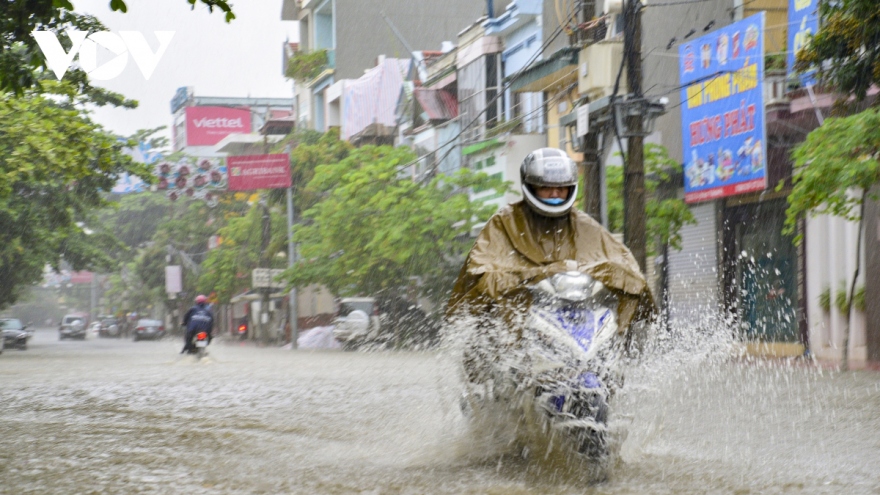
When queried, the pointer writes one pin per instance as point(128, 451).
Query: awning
point(440, 105)
point(482, 145)
point(253, 295)
point(243, 144)
point(556, 70)
point(279, 125)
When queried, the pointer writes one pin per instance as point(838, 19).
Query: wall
point(660, 68)
point(362, 34)
point(872, 278)
point(507, 160)
point(559, 105)
point(831, 243)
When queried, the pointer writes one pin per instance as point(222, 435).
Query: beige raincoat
point(518, 248)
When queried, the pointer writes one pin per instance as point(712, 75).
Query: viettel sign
point(207, 126)
point(250, 172)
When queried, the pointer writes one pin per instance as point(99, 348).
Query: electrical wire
point(670, 4)
point(489, 105)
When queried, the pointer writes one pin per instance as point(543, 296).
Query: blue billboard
point(803, 22)
point(722, 111)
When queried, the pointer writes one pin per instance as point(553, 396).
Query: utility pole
point(291, 260)
point(592, 176)
point(634, 169)
point(264, 262)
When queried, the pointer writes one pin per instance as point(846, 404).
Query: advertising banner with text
point(722, 112)
point(803, 22)
point(207, 126)
point(250, 172)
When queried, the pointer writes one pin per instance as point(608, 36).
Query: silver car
point(73, 327)
point(356, 322)
point(149, 329)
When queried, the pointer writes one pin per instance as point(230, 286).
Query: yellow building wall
point(776, 27)
point(560, 104)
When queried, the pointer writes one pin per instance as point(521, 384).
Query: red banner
point(250, 172)
point(207, 126)
point(81, 277)
point(724, 191)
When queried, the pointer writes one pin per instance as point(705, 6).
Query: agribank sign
point(252, 172)
point(121, 44)
point(207, 126)
point(722, 115)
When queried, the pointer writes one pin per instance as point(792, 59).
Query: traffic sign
point(264, 278)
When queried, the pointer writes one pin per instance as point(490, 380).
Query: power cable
point(500, 94)
point(670, 4)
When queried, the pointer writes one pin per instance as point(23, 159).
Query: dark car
point(149, 329)
point(15, 334)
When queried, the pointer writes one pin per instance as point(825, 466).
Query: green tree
point(227, 268)
point(665, 216)
point(834, 170)
point(134, 219)
point(308, 149)
point(22, 64)
point(847, 46)
point(55, 163)
point(374, 228)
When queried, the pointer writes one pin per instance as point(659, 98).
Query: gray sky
point(242, 58)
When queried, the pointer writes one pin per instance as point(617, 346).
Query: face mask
point(553, 201)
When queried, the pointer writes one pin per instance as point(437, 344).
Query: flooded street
point(115, 416)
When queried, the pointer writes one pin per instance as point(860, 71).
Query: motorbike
point(199, 347)
point(563, 373)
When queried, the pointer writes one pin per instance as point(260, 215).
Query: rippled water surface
point(115, 416)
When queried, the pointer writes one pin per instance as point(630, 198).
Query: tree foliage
point(54, 165)
point(846, 49)
point(227, 269)
point(305, 66)
point(374, 228)
point(308, 149)
point(665, 216)
point(134, 219)
point(833, 167)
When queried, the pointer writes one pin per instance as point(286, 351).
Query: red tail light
point(242, 328)
point(375, 310)
point(201, 336)
point(140, 329)
point(161, 329)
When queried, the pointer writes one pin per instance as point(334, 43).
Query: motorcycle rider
point(197, 319)
point(537, 237)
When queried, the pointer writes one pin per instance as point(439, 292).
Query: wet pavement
point(116, 416)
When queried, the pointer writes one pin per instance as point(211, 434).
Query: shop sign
point(722, 112)
point(251, 172)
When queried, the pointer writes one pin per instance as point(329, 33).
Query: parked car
point(73, 326)
point(109, 327)
point(14, 333)
point(356, 322)
point(149, 329)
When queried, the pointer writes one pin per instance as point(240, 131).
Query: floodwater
point(116, 416)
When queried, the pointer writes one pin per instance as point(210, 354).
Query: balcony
point(310, 67)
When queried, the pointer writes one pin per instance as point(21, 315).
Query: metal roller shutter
point(693, 271)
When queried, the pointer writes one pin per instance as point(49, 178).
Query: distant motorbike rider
point(533, 239)
point(197, 319)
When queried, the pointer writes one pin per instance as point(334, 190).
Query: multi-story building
point(199, 123)
point(355, 33)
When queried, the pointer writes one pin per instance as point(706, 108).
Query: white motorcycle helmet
point(549, 167)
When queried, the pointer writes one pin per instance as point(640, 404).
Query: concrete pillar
point(872, 278)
